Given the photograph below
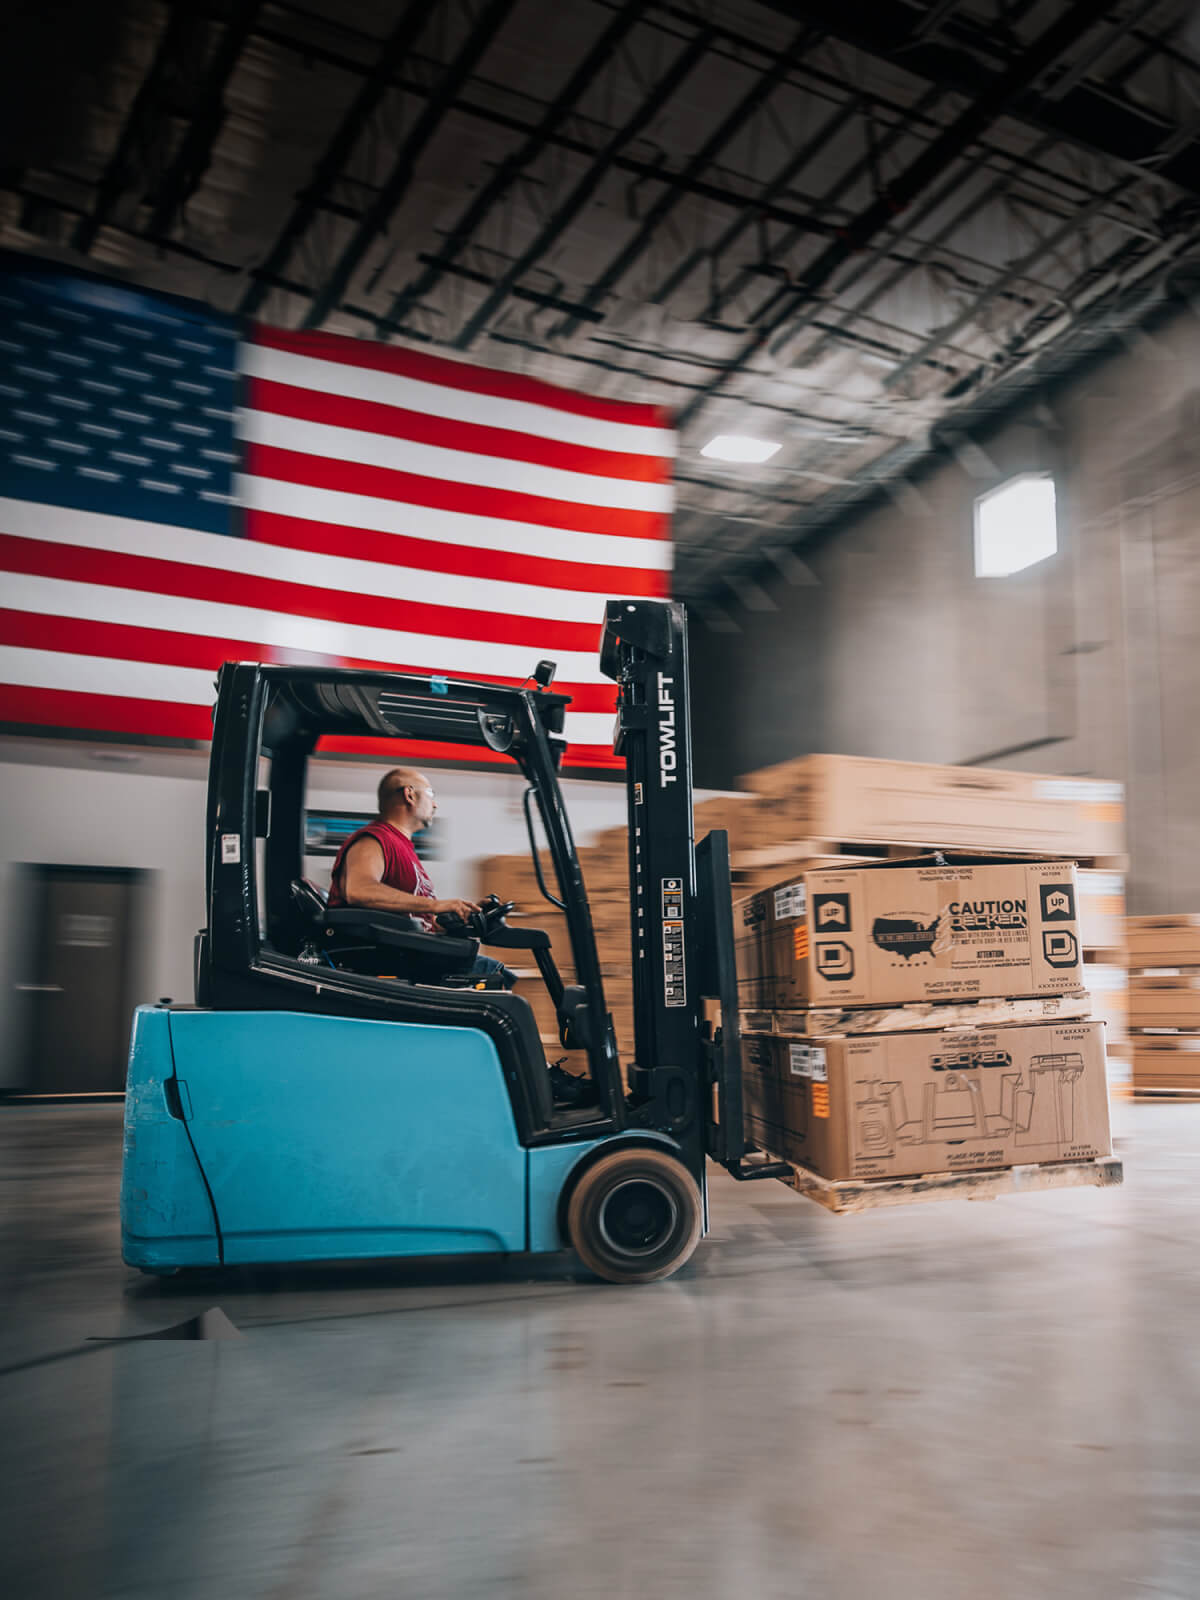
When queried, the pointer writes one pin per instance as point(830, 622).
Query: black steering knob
point(492, 912)
point(490, 915)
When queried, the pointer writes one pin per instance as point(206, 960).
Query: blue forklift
point(341, 1089)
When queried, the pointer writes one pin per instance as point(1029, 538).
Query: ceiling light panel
point(739, 447)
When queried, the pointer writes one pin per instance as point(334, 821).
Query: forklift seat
point(377, 943)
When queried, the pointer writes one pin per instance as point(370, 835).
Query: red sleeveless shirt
point(402, 867)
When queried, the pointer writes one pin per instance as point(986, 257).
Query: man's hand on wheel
point(457, 908)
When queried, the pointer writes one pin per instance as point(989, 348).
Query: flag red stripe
point(117, 641)
point(374, 416)
point(398, 550)
point(456, 375)
point(385, 483)
point(176, 578)
point(99, 713)
point(109, 713)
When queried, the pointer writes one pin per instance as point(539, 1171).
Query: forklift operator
point(378, 866)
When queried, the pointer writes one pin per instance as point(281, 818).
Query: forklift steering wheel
point(491, 914)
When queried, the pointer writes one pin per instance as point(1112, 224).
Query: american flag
point(177, 490)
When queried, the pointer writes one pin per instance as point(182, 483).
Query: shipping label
point(808, 1061)
point(791, 901)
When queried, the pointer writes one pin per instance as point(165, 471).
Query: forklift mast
point(687, 1070)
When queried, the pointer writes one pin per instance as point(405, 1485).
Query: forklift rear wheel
point(635, 1216)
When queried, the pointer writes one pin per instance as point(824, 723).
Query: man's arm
point(363, 885)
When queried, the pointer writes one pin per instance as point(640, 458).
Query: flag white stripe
point(457, 405)
point(193, 686)
point(138, 608)
point(338, 574)
point(346, 510)
point(450, 466)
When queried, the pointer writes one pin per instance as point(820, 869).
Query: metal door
point(77, 977)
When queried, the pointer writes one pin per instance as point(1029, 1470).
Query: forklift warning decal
point(674, 983)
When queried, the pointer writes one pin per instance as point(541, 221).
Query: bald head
point(405, 799)
point(393, 784)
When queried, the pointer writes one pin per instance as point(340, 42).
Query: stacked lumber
point(848, 799)
point(1164, 1004)
point(1105, 965)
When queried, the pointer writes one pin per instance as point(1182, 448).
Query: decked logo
point(1060, 947)
point(834, 960)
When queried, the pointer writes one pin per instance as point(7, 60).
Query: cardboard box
point(1164, 1002)
point(851, 798)
point(901, 1104)
point(1101, 909)
point(906, 932)
point(1167, 941)
point(1166, 1061)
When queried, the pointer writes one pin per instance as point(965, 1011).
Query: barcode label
point(808, 1061)
point(790, 901)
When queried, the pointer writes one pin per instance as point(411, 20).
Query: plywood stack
point(1105, 965)
point(1164, 1004)
point(843, 800)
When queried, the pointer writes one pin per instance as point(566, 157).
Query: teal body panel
point(337, 1137)
point(551, 1167)
point(166, 1217)
point(327, 1138)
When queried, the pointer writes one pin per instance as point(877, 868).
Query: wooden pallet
point(866, 1194)
point(920, 1016)
point(789, 852)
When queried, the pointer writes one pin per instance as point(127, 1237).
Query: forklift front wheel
point(635, 1216)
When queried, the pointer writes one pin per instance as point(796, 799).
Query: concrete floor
point(990, 1401)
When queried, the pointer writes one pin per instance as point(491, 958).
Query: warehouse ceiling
point(831, 225)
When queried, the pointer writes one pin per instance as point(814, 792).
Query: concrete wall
point(1086, 664)
point(71, 804)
